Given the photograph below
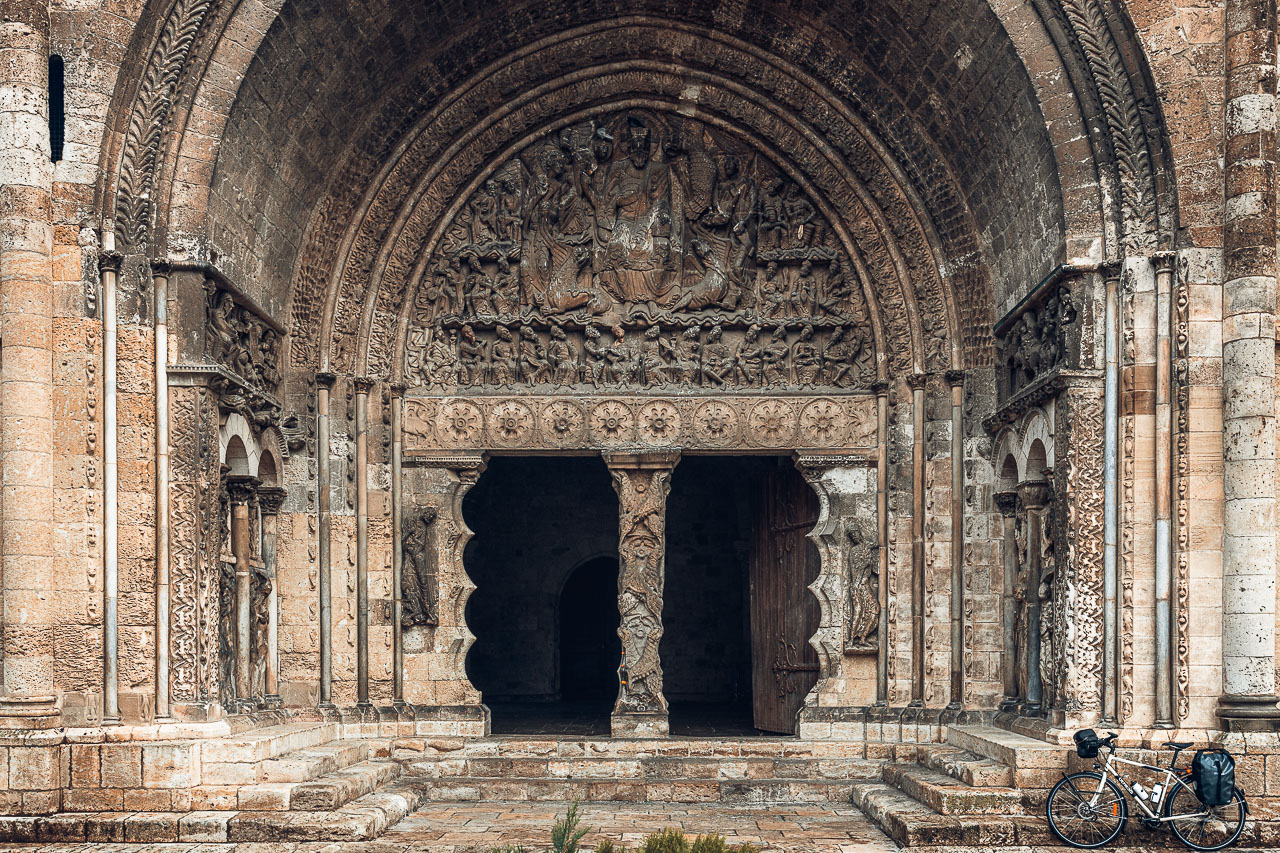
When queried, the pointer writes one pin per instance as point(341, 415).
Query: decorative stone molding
point(618, 423)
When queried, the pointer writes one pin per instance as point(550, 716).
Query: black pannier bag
point(1087, 743)
point(1213, 772)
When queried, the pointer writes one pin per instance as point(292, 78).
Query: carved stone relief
point(642, 484)
point(642, 250)
point(558, 423)
point(419, 585)
point(240, 340)
point(1033, 343)
point(863, 560)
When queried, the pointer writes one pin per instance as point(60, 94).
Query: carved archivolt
point(639, 249)
point(562, 423)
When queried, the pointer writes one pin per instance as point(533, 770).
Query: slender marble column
point(1007, 503)
point(109, 263)
point(882, 539)
point(269, 499)
point(363, 386)
point(1248, 369)
point(1035, 497)
point(1164, 491)
point(324, 494)
point(241, 490)
point(642, 481)
point(160, 291)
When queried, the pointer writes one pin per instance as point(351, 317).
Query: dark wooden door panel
point(784, 613)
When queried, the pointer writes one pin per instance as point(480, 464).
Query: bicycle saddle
point(1169, 744)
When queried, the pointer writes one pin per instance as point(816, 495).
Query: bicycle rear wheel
point(1081, 819)
point(1202, 827)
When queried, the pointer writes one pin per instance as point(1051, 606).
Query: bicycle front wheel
point(1085, 813)
point(1202, 827)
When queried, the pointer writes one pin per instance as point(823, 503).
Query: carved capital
point(363, 384)
point(110, 261)
point(881, 388)
point(161, 267)
point(242, 488)
point(325, 379)
point(1035, 494)
point(954, 377)
point(398, 389)
point(916, 381)
point(1007, 503)
point(270, 498)
point(1164, 260)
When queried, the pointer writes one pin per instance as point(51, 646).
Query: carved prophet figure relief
point(419, 579)
point(638, 249)
point(863, 579)
point(642, 497)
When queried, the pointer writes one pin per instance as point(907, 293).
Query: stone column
point(1035, 497)
point(270, 499)
point(26, 370)
point(324, 528)
point(848, 587)
point(241, 490)
point(397, 545)
point(642, 481)
point(1248, 369)
point(917, 382)
point(363, 386)
point(955, 378)
point(1007, 503)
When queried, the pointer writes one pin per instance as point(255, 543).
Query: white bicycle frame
point(1170, 779)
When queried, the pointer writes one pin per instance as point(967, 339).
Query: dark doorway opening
point(590, 650)
point(545, 609)
point(720, 547)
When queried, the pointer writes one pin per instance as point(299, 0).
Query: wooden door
point(784, 613)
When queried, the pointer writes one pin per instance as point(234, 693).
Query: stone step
point(665, 767)
point(327, 793)
point(1008, 748)
point(913, 824)
point(761, 792)
point(949, 796)
point(966, 767)
point(570, 747)
point(307, 764)
point(239, 760)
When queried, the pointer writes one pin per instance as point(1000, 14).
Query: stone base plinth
point(1238, 713)
point(639, 725)
point(33, 754)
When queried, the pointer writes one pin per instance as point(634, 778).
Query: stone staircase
point(296, 781)
point(686, 770)
point(984, 787)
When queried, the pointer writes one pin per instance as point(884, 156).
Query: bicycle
point(1088, 810)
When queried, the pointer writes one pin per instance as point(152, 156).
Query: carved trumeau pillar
point(1007, 503)
point(642, 481)
point(241, 490)
point(270, 499)
point(1035, 497)
point(848, 587)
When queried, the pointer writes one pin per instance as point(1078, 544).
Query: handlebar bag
point(1213, 773)
point(1087, 743)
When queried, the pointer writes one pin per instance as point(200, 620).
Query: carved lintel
point(642, 481)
